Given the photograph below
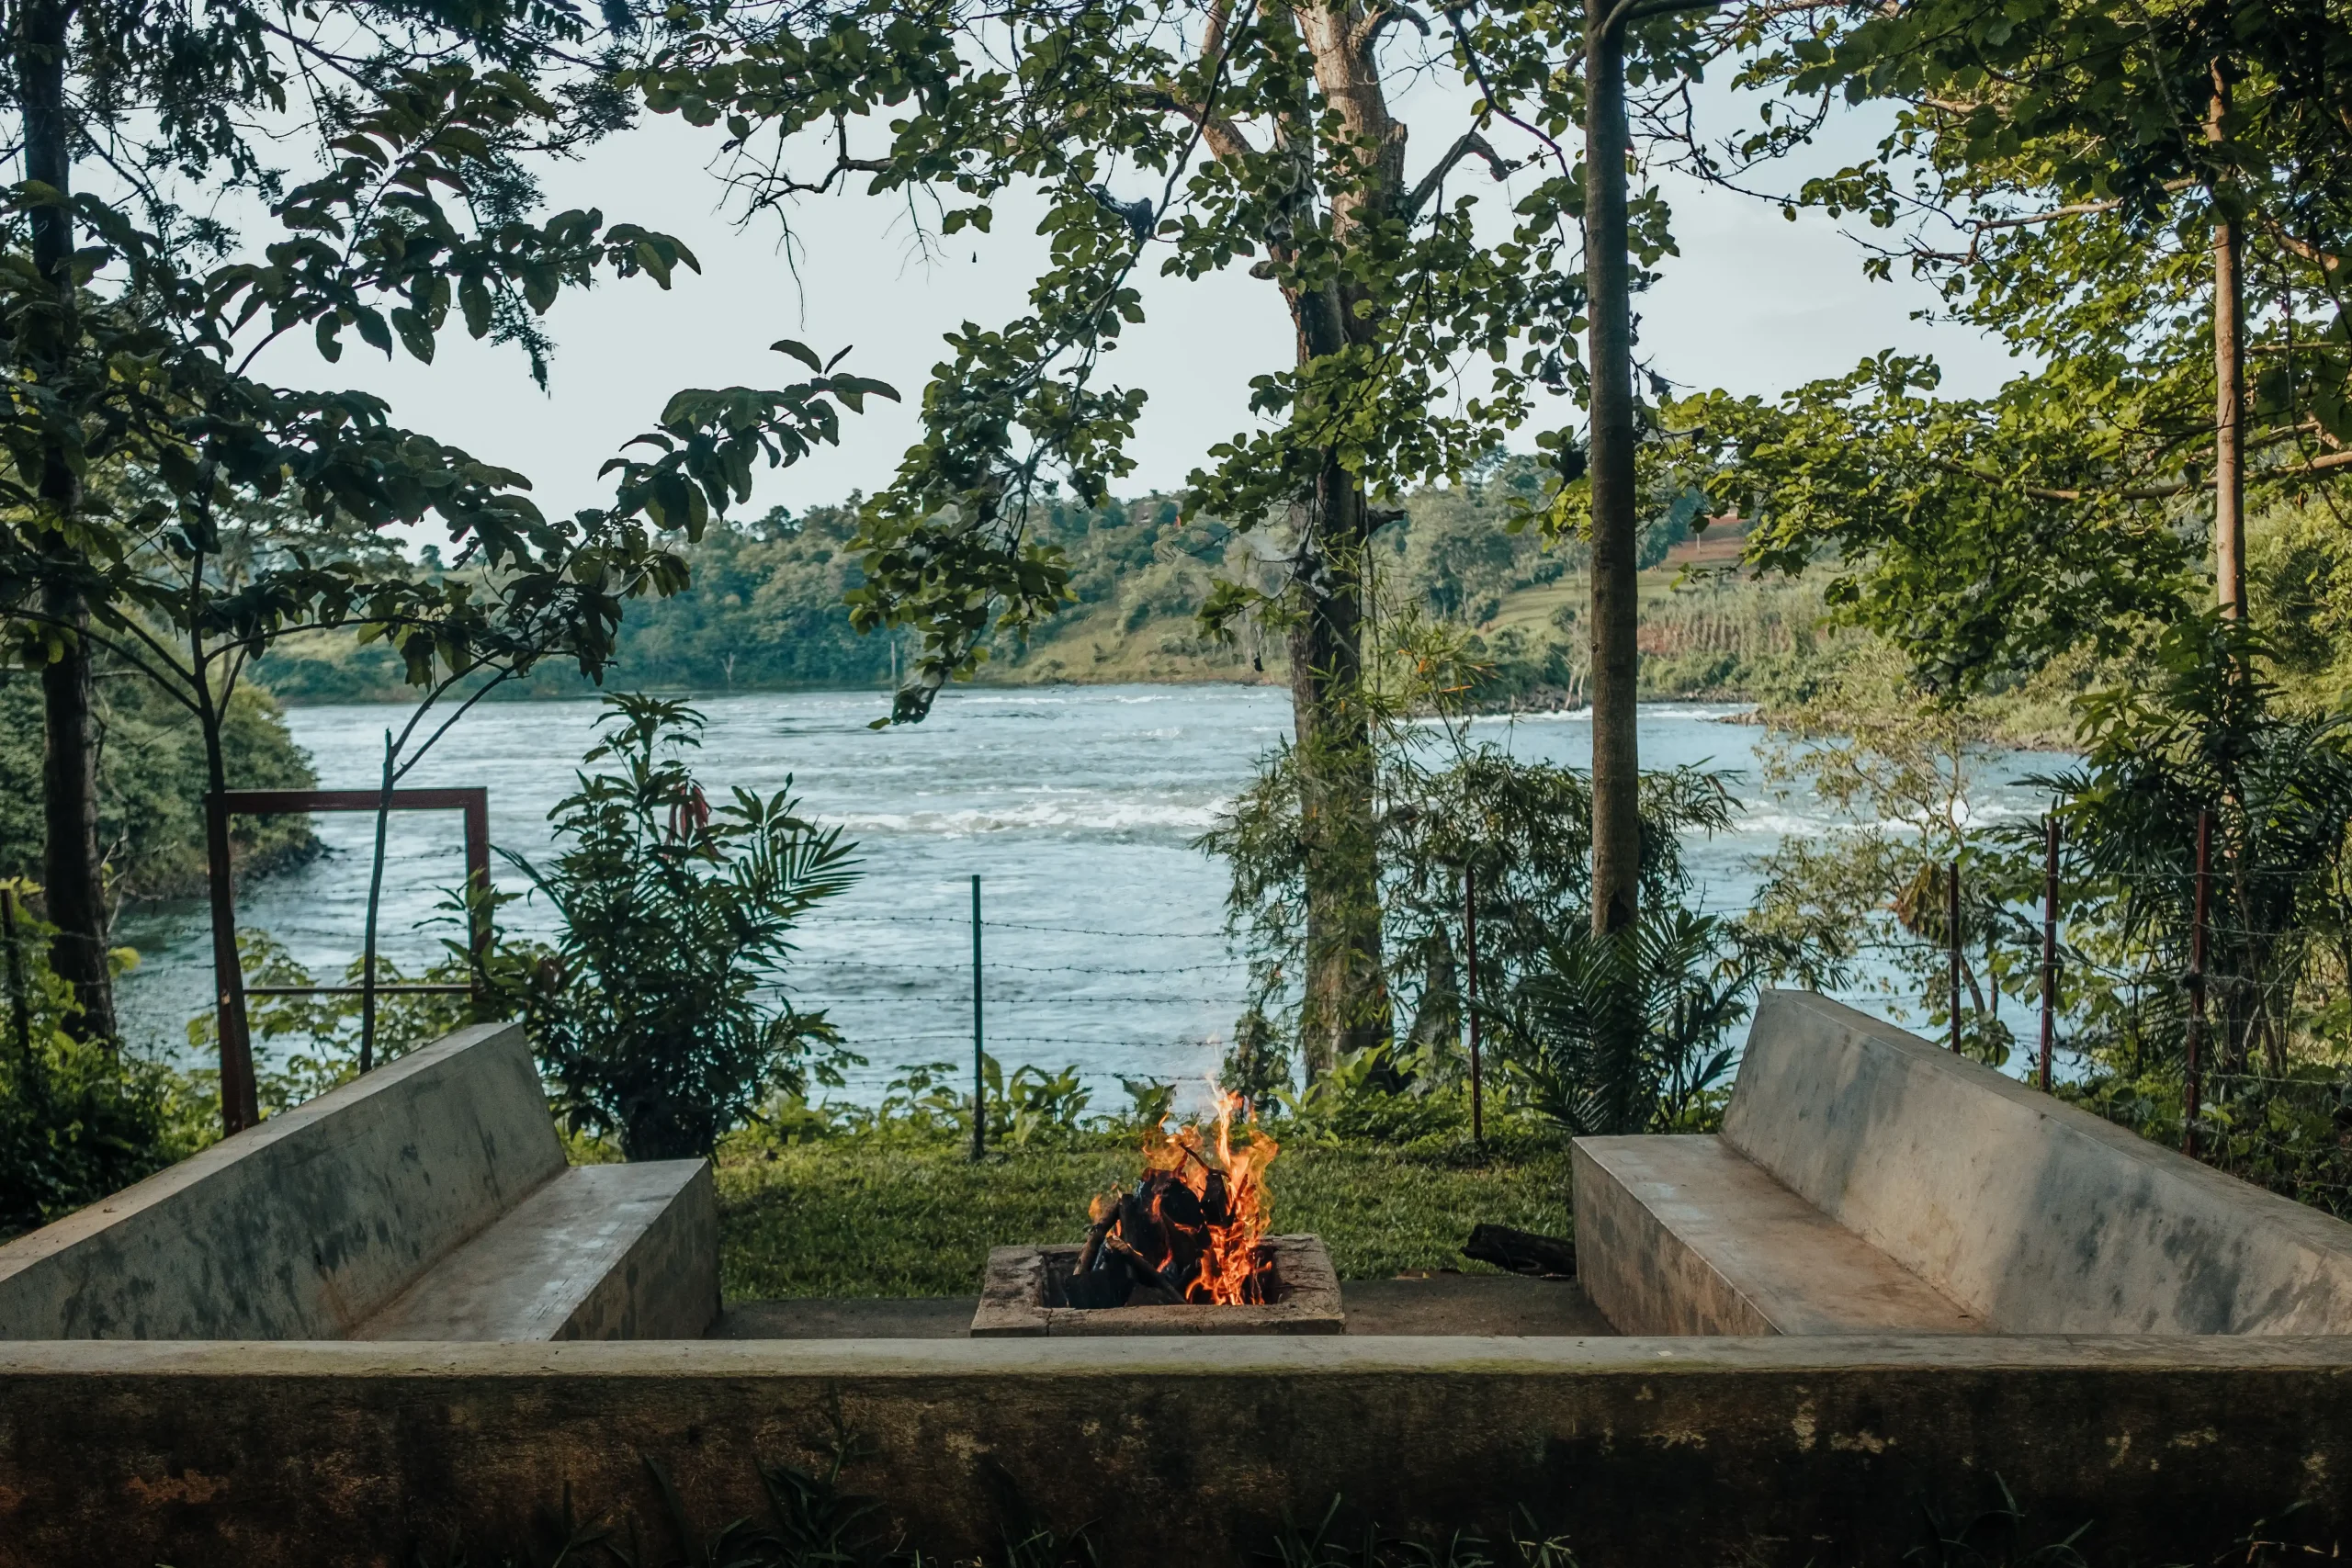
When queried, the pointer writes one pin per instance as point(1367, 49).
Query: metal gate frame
point(240, 1106)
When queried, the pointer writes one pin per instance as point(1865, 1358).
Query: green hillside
point(765, 608)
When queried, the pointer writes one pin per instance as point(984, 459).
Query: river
point(1075, 805)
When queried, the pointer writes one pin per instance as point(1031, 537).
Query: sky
point(1754, 304)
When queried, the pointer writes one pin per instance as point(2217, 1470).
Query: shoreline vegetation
point(766, 612)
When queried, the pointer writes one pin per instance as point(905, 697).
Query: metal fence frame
point(239, 1091)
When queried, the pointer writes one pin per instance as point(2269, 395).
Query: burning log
point(1150, 1284)
point(1189, 1232)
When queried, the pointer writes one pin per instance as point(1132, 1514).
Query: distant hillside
point(765, 609)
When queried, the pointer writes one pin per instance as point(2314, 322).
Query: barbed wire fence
point(2199, 1037)
point(1162, 1021)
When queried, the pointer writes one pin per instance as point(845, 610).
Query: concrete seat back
point(2037, 1217)
point(301, 1228)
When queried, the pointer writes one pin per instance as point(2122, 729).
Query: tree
point(2146, 203)
point(1615, 528)
point(234, 512)
point(1238, 133)
point(149, 92)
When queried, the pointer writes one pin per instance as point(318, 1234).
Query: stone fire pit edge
point(1012, 1299)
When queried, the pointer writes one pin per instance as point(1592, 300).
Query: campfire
point(1193, 1230)
point(1185, 1252)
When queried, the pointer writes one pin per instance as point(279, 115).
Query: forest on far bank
point(766, 607)
point(765, 610)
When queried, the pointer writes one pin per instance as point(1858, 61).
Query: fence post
point(1951, 929)
point(2192, 1103)
point(2048, 948)
point(20, 1014)
point(979, 1086)
point(1470, 932)
point(478, 905)
point(375, 900)
point(240, 1089)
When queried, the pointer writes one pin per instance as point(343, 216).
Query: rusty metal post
point(478, 910)
point(1470, 942)
point(2193, 1089)
point(979, 1083)
point(20, 1011)
point(2048, 948)
point(239, 1091)
point(1951, 929)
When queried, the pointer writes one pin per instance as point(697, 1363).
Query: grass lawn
point(848, 1217)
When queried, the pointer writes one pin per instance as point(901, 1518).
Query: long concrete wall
point(2035, 1216)
point(1763, 1451)
point(302, 1227)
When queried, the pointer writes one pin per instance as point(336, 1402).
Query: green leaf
point(800, 351)
point(372, 328)
point(473, 299)
point(415, 335)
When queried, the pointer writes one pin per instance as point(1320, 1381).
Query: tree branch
point(2164, 491)
point(1627, 11)
point(2303, 249)
point(1470, 142)
point(1379, 20)
point(1224, 137)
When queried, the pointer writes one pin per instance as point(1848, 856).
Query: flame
point(1200, 1160)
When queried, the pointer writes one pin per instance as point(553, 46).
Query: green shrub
point(79, 1121)
point(1631, 1033)
point(151, 785)
point(658, 1015)
point(932, 1103)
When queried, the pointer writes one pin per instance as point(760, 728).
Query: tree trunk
point(2229, 527)
point(1616, 760)
point(2229, 380)
point(240, 1089)
point(375, 904)
point(75, 888)
point(1347, 1005)
point(74, 885)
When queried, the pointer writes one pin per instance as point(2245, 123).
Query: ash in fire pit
point(1185, 1252)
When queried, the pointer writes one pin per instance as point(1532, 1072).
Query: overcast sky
point(1754, 304)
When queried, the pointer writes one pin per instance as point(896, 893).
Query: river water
point(1075, 805)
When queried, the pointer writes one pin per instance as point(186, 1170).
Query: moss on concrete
point(1773, 1453)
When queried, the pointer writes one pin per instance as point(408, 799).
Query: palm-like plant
point(660, 1015)
point(1627, 1032)
point(2207, 737)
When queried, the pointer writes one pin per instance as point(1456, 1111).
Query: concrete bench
point(430, 1200)
point(1869, 1181)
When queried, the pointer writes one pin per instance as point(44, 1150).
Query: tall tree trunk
point(1616, 758)
point(2229, 541)
point(73, 887)
point(1346, 1003)
point(240, 1089)
point(2229, 378)
point(1348, 1008)
point(75, 890)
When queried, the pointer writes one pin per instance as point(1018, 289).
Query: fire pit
point(1185, 1252)
point(1025, 1293)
